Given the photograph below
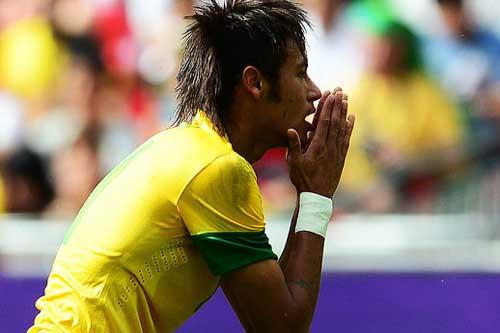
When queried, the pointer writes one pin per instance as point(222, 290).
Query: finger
point(343, 124)
point(335, 124)
point(322, 102)
point(320, 107)
point(321, 133)
point(316, 115)
point(347, 136)
point(337, 89)
point(342, 128)
point(343, 116)
point(294, 146)
point(345, 105)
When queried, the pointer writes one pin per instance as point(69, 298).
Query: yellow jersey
point(150, 244)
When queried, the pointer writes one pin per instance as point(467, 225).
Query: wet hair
point(222, 40)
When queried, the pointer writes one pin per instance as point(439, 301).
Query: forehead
point(294, 58)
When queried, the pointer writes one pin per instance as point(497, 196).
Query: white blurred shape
point(11, 119)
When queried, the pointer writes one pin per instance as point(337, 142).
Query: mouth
point(311, 111)
point(308, 126)
point(305, 132)
point(310, 116)
point(308, 120)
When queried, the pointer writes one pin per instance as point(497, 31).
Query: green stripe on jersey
point(227, 251)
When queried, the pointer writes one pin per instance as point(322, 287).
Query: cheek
point(296, 109)
point(294, 102)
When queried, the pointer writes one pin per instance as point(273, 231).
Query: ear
point(252, 81)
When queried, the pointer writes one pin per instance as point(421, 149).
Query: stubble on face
point(287, 101)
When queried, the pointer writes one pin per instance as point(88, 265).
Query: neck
point(243, 138)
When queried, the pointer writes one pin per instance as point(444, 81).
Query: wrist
point(314, 213)
point(323, 193)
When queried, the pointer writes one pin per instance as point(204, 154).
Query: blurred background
point(415, 242)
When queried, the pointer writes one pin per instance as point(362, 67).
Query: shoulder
point(229, 177)
point(231, 167)
point(226, 193)
point(192, 139)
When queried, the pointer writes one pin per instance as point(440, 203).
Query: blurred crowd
point(84, 82)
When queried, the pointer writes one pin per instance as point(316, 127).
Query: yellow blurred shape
point(28, 57)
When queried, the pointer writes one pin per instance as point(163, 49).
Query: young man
point(183, 214)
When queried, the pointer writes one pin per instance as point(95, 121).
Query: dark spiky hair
point(222, 40)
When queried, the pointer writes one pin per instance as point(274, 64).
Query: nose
point(313, 93)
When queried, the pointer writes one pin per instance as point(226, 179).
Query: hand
point(318, 167)
point(321, 102)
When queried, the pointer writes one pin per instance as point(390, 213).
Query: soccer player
point(183, 214)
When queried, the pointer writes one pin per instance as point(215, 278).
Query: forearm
point(290, 294)
point(285, 255)
point(301, 260)
point(290, 287)
point(303, 273)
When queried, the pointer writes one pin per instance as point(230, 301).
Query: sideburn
point(274, 95)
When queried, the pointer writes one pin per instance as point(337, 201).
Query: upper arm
point(222, 210)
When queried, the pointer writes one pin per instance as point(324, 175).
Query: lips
point(310, 115)
point(311, 111)
point(308, 126)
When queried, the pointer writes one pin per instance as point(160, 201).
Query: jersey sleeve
point(222, 209)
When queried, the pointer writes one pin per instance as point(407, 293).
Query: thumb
point(294, 145)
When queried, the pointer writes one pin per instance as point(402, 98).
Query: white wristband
point(314, 213)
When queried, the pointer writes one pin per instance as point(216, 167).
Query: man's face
point(388, 54)
point(455, 19)
point(296, 95)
